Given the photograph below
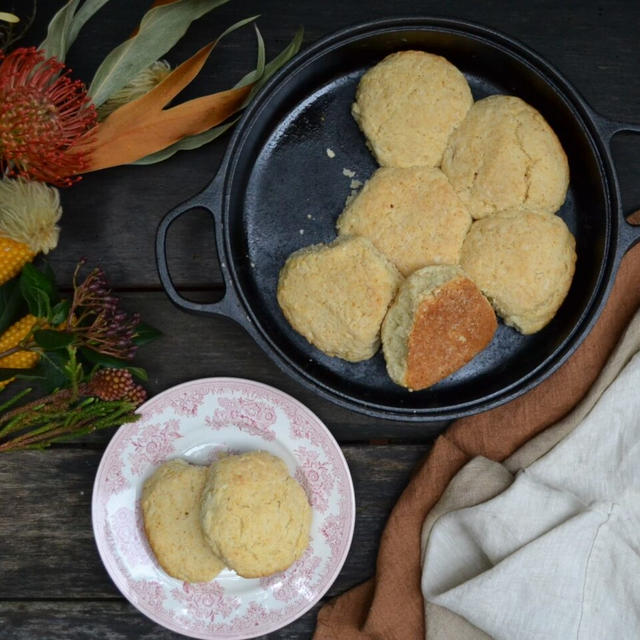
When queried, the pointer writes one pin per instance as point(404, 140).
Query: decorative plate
point(198, 421)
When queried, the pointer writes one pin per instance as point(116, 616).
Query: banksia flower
point(10, 341)
point(141, 83)
point(42, 114)
point(116, 384)
point(29, 212)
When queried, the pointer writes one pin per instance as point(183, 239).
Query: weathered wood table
point(52, 583)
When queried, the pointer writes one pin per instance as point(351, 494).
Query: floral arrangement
point(79, 349)
point(53, 128)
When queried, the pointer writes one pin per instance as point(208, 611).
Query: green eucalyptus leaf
point(280, 60)
point(102, 360)
point(186, 144)
point(59, 312)
point(138, 372)
point(50, 339)
point(200, 139)
point(6, 373)
point(12, 305)
point(160, 28)
point(56, 44)
point(86, 11)
point(32, 277)
point(38, 291)
point(52, 369)
point(66, 25)
point(144, 334)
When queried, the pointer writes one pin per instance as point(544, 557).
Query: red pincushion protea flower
point(42, 114)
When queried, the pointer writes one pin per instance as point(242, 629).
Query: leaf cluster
point(160, 28)
point(64, 361)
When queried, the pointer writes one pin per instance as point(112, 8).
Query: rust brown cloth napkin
point(390, 606)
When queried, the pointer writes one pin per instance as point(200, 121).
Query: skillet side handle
point(228, 306)
point(630, 229)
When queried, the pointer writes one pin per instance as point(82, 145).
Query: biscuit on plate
point(438, 322)
point(408, 105)
point(336, 295)
point(171, 513)
point(505, 155)
point(412, 215)
point(523, 262)
point(254, 514)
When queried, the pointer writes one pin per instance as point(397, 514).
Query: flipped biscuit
point(505, 155)
point(336, 296)
point(408, 105)
point(171, 512)
point(412, 215)
point(523, 262)
point(438, 322)
point(255, 514)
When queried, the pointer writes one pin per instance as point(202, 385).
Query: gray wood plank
point(97, 620)
point(48, 550)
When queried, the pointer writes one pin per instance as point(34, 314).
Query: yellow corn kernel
point(11, 338)
point(13, 256)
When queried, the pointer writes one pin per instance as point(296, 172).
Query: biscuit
point(171, 513)
point(412, 215)
point(255, 514)
point(336, 296)
point(408, 105)
point(438, 322)
point(523, 262)
point(505, 155)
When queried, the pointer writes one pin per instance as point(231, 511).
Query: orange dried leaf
point(142, 127)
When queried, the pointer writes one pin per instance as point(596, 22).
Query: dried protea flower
point(96, 320)
point(141, 83)
point(29, 213)
point(116, 384)
point(42, 114)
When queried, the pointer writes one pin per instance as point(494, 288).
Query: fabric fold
point(527, 563)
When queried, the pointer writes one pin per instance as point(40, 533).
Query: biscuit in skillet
point(438, 322)
point(408, 105)
point(524, 262)
point(412, 215)
point(504, 155)
point(336, 295)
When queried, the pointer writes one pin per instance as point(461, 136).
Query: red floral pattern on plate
point(250, 416)
point(128, 538)
point(205, 602)
point(330, 529)
point(314, 474)
point(240, 414)
point(154, 445)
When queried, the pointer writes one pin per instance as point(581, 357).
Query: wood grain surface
point(53, 585)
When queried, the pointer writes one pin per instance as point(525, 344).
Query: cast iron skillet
point(277, 191)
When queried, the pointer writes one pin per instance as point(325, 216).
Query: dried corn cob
point(13, 256)
point(10, 339)
point(29, 212)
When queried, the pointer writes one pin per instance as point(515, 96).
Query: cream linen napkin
point(554, 556)
point(482, 479)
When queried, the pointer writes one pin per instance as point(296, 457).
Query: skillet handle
point(229, 306)
point(630, 229)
